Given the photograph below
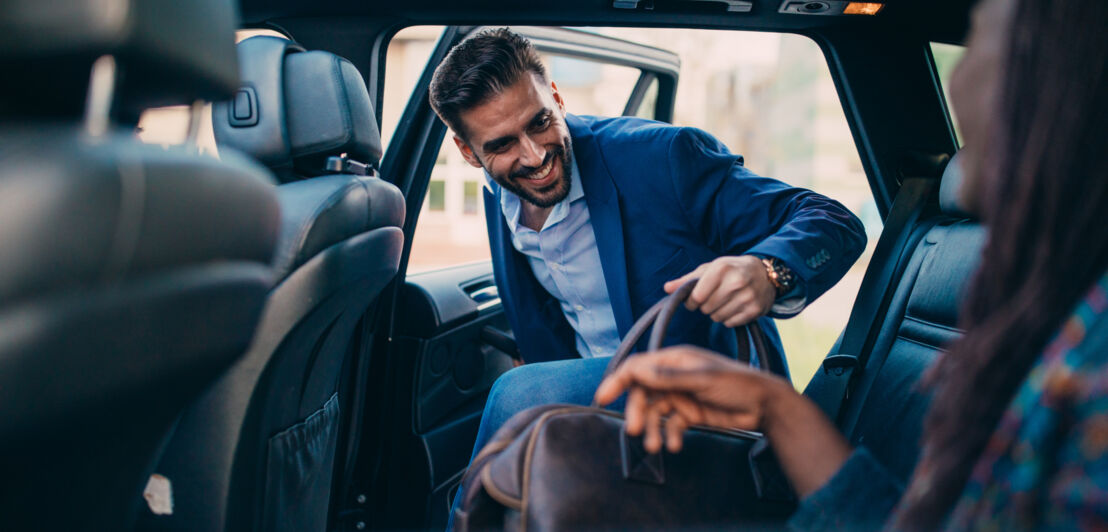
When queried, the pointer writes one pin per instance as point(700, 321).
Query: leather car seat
point(886, 408)
point(258, 451)
point(130, 275)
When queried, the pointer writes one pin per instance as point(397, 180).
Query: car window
point(947, 57)
point(168, 126)
point(451, 228)
point(769, 97)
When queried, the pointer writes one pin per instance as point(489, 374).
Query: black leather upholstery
point(318, 213)
point(921, 322)
point(329, 112)
point(885, 411)
point(173, 52)
point(130, 275)
point(258, 451)
point(262, 61)
point(109, 209)
point(950, 192)
point(310, 105)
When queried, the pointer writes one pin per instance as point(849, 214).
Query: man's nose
point(532, 153)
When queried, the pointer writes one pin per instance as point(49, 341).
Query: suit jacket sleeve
point(739, 212)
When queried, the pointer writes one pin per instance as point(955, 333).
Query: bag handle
point(659, 316)
point(637, 464)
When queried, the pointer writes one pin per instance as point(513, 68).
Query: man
point(592, 220)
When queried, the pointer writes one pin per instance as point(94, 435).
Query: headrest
point(950, 190)
point(296, 109)
point(166, 51)
point(130, 210)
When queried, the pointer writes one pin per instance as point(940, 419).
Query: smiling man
point(592, 220)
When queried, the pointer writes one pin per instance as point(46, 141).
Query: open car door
point(448, 336)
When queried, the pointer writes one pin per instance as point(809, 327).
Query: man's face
point(975, 86)
point(520, 138)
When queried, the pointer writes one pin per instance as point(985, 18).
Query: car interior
point(235, 342)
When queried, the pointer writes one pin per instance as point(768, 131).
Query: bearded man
point(592, 220)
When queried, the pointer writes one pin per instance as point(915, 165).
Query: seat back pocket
point(299, 468)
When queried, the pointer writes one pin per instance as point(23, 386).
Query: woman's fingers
point(688, 409)
point(677, 369)
point(635, 411)
point(612, 387)
point(672, 370)
point(632, 372)
point(652, 442)
point(675, 431)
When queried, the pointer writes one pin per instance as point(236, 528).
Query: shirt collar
point(511, 207)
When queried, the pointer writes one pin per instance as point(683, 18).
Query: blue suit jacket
point(662, 201)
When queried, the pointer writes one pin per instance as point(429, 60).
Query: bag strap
point(874, 295)
point(657, 320)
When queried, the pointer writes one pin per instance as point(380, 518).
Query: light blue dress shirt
point(566, 262)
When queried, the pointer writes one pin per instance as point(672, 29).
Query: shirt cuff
point(791, 303)
point(860, 496)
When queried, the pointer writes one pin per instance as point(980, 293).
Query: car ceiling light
point(863, 8)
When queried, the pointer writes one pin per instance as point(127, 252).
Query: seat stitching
point(919, 343)
point(933, 324)
point(131, 218)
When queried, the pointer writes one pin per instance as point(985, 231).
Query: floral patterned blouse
point(1045, 466)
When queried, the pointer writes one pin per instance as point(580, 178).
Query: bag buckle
point(838, 364)
point(639, 465)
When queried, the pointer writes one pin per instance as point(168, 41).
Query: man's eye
point(543, 123)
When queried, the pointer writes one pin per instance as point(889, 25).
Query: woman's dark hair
point(478, 68)
point(1044, 196)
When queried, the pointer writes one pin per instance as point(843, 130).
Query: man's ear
point(558, 97)
point(467, 152)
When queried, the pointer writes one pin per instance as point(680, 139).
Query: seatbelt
point(886, 266)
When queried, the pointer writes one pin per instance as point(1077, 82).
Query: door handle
point(485, 297)
point(501, 340)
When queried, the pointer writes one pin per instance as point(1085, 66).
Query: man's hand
point(732, 290)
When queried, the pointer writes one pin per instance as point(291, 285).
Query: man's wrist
point(780, 275)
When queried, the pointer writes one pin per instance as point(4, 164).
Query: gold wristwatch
point(780, 275)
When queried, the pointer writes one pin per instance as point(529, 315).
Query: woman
point(1017, 433)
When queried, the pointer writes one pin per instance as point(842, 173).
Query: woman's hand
point(691, 386)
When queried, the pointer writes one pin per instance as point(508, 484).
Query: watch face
point(784, 276)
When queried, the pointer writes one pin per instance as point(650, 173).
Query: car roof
point(936, 20)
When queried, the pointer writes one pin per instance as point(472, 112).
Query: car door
point(449, 336)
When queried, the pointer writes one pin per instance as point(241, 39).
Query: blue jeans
point(563, 381)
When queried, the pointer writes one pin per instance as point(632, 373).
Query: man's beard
point(551, 194)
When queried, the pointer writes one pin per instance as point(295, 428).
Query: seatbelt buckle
point(838, 364)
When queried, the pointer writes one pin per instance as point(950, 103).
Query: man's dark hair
point(479, 68)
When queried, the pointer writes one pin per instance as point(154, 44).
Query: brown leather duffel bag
point(567, 467)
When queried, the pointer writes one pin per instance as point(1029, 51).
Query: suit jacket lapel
point(606, 218)
point(535, 317)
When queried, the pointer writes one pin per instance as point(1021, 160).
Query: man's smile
point(543, 175)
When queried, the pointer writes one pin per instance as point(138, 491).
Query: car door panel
point(455, 365)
